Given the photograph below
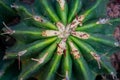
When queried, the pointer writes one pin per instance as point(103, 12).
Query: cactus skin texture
point(58, 40)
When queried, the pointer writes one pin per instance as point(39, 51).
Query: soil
point(114, 12)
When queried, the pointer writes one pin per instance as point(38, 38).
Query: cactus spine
point(66, 41)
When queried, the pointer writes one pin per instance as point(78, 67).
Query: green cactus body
point(59, 40)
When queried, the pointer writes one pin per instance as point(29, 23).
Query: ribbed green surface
point(41, 56)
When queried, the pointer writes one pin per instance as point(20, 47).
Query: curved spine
point(32, 48)
point(35, 20)
point(102, 40)
point(53, 66)
point(80, 63)
point(97, 38)
point(90, 54)
point(37, 63)
point(94, 24)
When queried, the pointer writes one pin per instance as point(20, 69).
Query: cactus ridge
point(60, 39)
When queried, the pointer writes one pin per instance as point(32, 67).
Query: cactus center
point(64, 34)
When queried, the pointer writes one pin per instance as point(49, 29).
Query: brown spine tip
point(97, 58)
point(64, 51)
point(62, 4)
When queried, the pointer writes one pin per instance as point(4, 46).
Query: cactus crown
point(59, 39)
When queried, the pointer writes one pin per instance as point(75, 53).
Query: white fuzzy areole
point(14, 6)
point(64, 31)
point(81, 35)
point(49, 33)
point(62, 4)
point(22, 52)
point(75, 51)
point(60, 26)
point(74, 24)
point(61, 47)
point(77, 21)
point(103, 21)
point(38, 18)
point(41, 60)
point(117, 44)
point(97, 58)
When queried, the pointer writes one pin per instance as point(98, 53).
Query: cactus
point(59, 40)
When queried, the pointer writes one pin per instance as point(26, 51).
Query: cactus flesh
point(59, 40)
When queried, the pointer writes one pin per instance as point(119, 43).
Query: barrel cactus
point(59, 40)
